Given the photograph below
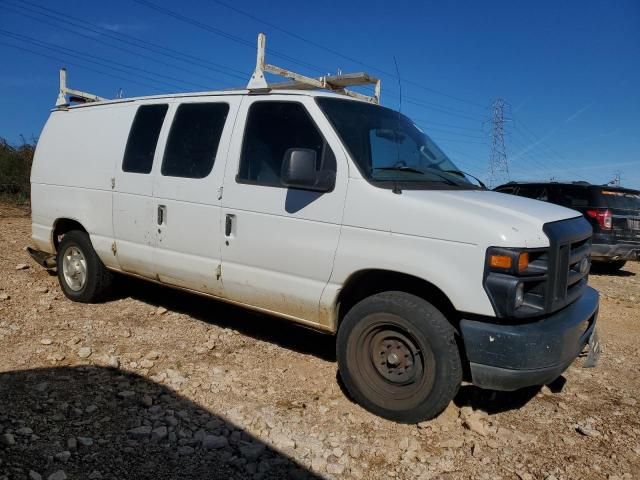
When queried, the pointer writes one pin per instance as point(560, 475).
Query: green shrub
point(15, 169)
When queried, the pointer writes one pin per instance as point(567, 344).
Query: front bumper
point(509, 357)
point(621, 251)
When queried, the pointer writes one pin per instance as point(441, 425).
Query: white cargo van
point(326, 209)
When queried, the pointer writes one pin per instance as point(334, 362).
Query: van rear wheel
point(82, 275)
point(398, 357)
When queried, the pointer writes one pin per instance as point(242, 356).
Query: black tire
point(391, 322)
point(98, 279)
point(607, 267)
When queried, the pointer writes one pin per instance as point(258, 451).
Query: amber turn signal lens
point(523, 262)
point(500, 261)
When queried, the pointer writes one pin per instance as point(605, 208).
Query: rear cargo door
point(187, 193)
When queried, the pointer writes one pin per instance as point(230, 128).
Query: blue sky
point(570, 70)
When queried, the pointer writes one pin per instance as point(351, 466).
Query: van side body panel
point(72, 171)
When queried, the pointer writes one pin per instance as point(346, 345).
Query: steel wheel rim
point(395, 356)
point(398, 390)
point(74, 268)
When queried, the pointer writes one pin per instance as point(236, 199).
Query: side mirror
point(299, 171)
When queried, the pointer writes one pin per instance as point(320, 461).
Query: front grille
point(570, 244)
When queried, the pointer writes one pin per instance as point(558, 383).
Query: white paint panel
point(72, 170)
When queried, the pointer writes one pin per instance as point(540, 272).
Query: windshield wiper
point(462, 174)
point(401, 168)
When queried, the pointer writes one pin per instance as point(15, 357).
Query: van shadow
point(617, 273)
point(95, 422)
point(253, 324)
point(492, 401)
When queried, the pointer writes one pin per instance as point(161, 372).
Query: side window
point(574, 197)
point(537, 192)
point(143, 138)
point(273, 128)
point(193, 139)
point(509, 190)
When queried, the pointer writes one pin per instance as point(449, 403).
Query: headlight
point(519, 295)
point(515, 280)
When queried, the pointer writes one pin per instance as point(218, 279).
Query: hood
point(477, 216)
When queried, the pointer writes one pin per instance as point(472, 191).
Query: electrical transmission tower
point(498, 164)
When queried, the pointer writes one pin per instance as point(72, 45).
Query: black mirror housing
point(299, 171)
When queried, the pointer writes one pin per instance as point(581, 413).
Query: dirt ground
point(155, 383)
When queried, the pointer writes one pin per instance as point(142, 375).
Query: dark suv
point(614, 214)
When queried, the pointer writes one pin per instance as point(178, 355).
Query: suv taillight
point(602, 216)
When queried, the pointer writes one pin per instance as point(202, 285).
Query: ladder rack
point(74, 95)
point(335, 83)
point(258, 82)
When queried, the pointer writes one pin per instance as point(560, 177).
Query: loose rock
point(84, 352)
point(140, 432)
point(7, 439)
point(63, 456)
point(214, 442)
point(59, 475)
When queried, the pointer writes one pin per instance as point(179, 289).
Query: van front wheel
point(82, 275)
point(398, 357)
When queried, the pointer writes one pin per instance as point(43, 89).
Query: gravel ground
point(156, 383)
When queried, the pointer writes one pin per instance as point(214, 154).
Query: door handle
point(162, 214)
point(228, 224)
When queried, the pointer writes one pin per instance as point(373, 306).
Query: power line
point(101, 61)
point(222, 33)
point(171, 53)
point(346, 57)
point(431, 122)
point(160, 49)
point(235, 38)
point(101, 72)
point(104, 32)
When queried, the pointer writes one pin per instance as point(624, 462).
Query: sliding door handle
point(228, 225)
point(162, 214)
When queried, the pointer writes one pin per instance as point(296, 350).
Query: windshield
point(389, 148)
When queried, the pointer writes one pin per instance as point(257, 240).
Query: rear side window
point(194, 139)
point(273, 128)
point(574, 197)
point(143, 138)
point(537, 192)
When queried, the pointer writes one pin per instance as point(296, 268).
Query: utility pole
point(498, 164)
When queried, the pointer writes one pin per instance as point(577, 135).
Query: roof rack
point(74, 95)
point(335, 83)
point(258, 82)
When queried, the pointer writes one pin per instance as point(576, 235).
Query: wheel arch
point(364, 283)
point(62, 226)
